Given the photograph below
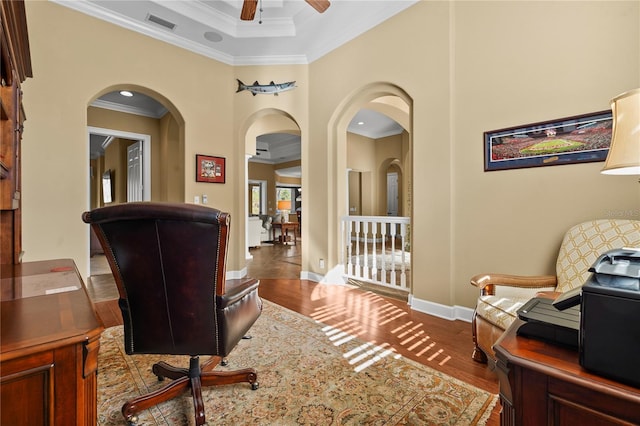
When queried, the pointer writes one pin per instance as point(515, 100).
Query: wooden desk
point(284, 231)
point(49, 348)
point(544, 384)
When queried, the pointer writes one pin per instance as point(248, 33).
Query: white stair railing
point(375, 249)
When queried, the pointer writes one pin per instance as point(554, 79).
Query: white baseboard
point(335, 276)
point(451, 313)
point(235, 275)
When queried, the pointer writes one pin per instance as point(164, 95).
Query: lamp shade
point(624, 152)
point(284, 205)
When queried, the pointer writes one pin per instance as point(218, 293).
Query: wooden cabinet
point(49, 347)
point(15, 68)
point(544, 384)
point(50, 334)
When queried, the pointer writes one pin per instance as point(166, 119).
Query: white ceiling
point(291, 32)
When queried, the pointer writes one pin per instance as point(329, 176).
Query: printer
point(610, 317)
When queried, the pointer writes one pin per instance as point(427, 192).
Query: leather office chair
point(501, 295)
point(169, 264)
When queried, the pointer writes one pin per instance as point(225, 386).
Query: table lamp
point(284, 205)
point(624, 152)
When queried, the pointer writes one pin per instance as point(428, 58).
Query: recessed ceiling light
point(360, 123)
point(213, 36)
point(126, 93)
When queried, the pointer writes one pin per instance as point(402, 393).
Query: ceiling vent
point(162, 22)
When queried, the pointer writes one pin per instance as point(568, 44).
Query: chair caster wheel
point(224, 362)
point(254, 385)
point(132, 421)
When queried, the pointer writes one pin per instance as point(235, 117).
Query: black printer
point(610, 317)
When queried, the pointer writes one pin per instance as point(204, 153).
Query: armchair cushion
point(500, 311)
point(585, 242)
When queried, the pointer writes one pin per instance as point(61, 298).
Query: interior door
point(134, 172)
point(392, 194)
point(355, 197)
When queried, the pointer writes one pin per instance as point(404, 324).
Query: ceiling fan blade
point(248, 10)
point(319, 5)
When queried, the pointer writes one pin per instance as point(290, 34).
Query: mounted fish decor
point(268, 89)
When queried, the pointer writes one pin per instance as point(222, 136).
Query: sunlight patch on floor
point(412, 336)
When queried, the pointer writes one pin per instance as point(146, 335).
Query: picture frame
point(577, 139)
point(210, 169)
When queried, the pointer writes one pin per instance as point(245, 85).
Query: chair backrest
point(169, 263)
point(585, 242)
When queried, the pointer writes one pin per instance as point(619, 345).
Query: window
point(255, 199)
point(284, 198)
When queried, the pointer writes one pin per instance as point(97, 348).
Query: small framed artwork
point(210, 169)
point(579, 139)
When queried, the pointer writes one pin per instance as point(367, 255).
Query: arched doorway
point(272, 140)
point(133, 140)
point(385, 163)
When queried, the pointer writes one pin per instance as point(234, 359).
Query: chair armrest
point(487, 282)
point(236, 290)
point(548, 294)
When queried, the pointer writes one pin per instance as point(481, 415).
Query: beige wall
point(361, 159)
point(75, 59)
point(562, 59)
point(463, 67)
point(480, 66)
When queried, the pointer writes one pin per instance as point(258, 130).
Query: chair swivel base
point(195, 377)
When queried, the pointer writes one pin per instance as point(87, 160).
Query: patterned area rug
point(309, 374)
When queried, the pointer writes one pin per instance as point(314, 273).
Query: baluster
point(374, 261)
point(365, 267)
point(357, 244)
point(349, 249)
point(403, 274)
point(343, 260)
point(392, 279)
point(383, 266)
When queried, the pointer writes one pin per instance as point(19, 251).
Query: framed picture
point(210, 169)
point(579, 139)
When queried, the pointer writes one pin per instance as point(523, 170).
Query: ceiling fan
point(249, 8)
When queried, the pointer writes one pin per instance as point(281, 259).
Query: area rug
point(309, 374)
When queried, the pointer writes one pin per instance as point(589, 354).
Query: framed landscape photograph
point(210, 169)
point(579, 139)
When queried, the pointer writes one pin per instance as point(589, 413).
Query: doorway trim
point(146, 153)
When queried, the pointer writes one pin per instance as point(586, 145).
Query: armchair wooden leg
point(478, 355)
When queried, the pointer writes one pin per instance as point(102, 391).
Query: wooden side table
point(284, 231)
point(49, 347)
point(544, 384)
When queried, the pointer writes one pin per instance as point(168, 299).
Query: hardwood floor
point(443, 345)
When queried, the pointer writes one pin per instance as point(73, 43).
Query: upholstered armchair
point(169, 264)
point(502, 295)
